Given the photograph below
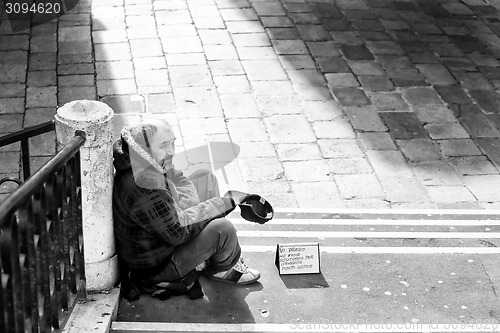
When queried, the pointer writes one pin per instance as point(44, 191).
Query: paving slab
point(333, 148)
point(473, 165)
point(359, 186)
point(10, 122)
point(476, 123)
point(43, 78)
point(450, 194)
point(435, 173)
point(307, 171)
point(407, 78)
point(336, 80)
point(308, 92)
point(298, 152)
point(261, 168)
point(401, 189)
point(446, 131)
point(458, 147)
point(289, 129)
point(488, 100)
point(491, 148)
point(471, 81)
point(239, 106)
point(317, 194)
point(356, 52)
point(377, 141)
point(322, 109)
point(376, 83)
point(270, 105)
point(349, 96)
point(76, 69)
point(264, 70)
point(333, 129)
point(421, 96)
point(389, 163)
point(419, 150)
point(310, 77)
point(433, 113)
point(333, 65)
point(10, 162)
point(388, 101)
point(404, 125)
point(125, 103)
point(247, 130)
point(353, 165)
point(458, 64)
point(272, 88)
point(12, 105)
point(482, 186)
point(365, 119)
point(366, 67)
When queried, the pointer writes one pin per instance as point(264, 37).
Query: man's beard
point(167, 163)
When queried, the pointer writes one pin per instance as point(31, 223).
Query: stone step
point(417, 290)
point(378, 280)
point(369, 327)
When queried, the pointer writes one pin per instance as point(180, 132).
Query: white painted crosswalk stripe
point(384, 249)
point(354, 222)
point(392, 212)
point(365, 234)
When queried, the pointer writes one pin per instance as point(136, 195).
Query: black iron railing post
point(23, 136)
point(25, 156)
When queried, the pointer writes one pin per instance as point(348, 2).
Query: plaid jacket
point(148, 221)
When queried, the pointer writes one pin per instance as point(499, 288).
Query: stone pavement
point(334, 103)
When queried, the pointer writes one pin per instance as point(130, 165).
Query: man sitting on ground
point(166, 225)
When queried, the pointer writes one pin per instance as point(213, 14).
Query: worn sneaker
point(238, 274)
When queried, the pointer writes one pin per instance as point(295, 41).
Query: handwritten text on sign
point(297, 258)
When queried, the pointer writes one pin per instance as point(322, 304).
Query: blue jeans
point(217, 243)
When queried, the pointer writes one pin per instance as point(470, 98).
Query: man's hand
point(236, 195)
point(229, 203)
point(170, 174)
point(253, 207)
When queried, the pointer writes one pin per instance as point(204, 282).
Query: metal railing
point(42, 272)
point(23, 136)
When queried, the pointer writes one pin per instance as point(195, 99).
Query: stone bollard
point(96, 120)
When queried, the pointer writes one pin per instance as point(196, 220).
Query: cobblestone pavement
point(335, 103)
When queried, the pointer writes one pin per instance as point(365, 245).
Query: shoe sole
point(232, 282)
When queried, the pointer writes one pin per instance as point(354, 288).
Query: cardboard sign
point(297, 258)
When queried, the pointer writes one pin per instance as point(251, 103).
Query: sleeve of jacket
point(157, 212)
point(188, 196)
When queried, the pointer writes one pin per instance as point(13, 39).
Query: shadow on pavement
point(304, 281)
point(222, 303)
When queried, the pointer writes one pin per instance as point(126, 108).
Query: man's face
point(162, 145)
